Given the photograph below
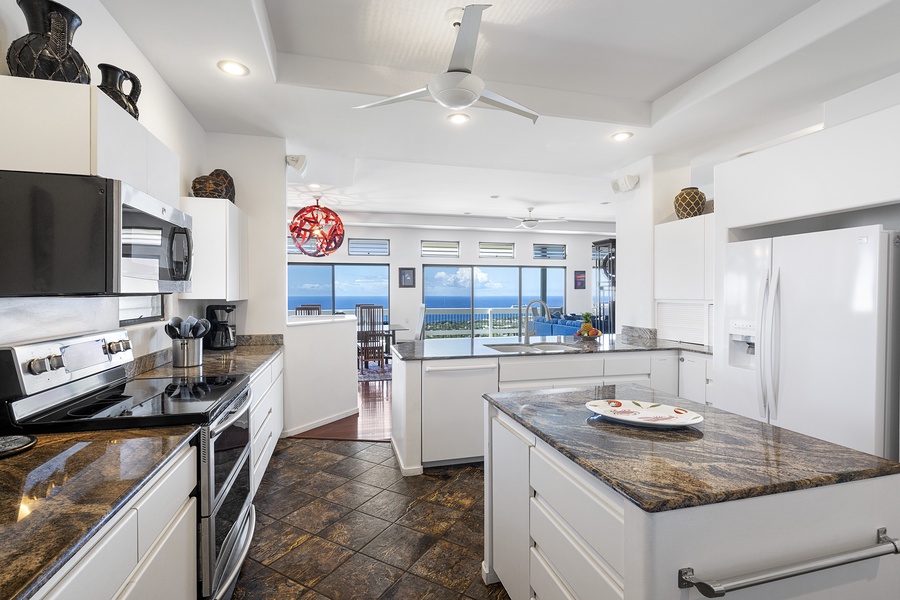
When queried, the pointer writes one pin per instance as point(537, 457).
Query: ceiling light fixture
point(233, 68)
point(621, 136)
point(458, 118)
point(319, 225)
point(314, 186)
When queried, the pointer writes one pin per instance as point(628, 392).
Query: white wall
point(406, 252)
point(100, 39)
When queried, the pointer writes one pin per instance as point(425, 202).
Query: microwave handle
point(188, 254)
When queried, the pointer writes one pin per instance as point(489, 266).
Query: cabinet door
point(679, 260)
point(510, 495)
point(170, 570)
point(664, 373)
point(692, 376)
point(452, 407)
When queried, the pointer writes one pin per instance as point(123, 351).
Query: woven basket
point(689, 202)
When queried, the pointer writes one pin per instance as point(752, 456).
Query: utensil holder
point(187, 352)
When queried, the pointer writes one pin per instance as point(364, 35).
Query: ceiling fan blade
point(494, 99)
point(464, 50)
point(559, 220)
point(516, 218)
point(419, 93)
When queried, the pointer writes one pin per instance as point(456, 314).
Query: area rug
point(375, 373)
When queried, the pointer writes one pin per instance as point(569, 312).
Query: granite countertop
point(446, 348)
point(243, 359)
point(726, 457)
point(59, 493)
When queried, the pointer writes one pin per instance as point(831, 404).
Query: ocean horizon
point(348, 303)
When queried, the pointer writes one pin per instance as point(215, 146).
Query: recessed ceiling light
point(621, 136)
point(495, 196)
point(458, 118)
point(314, 186)
point(233, 68)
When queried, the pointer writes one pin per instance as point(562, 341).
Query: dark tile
point(320, 444)
point(274, 540)
point(348, 448)
point(388, 505)
point(429, 518)
point(477, 590)
point(375, 453)
point(321, 459)
point(316, 516)
point(454, 495)
point(264, 583)
point(399, 546)
point(390, 462)
point(360, 578)
point(410, 587)
point(350, 467)
point(380, 476)
point(352, 493)
point(288, 474)
point(263, 520)
point(449, 565)
point(312, 560)
point(468, 532)
point(281, 502)
point(354, 530)
point(320, 483)
point(417, 486)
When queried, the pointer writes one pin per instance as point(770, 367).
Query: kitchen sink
point(532, 348)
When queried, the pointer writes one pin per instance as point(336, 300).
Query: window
point(309, 246)
point(338, 288)
point(496, 250)
point(554, 251)
point(440, 249)
point(364, 247)
point(140, 309)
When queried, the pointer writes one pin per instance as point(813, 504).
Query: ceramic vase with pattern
point(689, 202)
point(46, 52)
point(113, 85)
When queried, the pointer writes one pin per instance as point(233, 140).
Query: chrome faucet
point(529, 331)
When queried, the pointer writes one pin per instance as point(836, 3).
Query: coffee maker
point(222, 331)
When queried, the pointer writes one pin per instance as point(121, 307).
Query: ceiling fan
point(457, 88)
point(530, 222)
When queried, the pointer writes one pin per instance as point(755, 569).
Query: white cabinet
point(510, 495)
point(64, 128)
point(664, 372)
point(147, 550)
point(692, 376)
point(221, 249)
point(452, 407)
point(266, 414)
point(683, 259)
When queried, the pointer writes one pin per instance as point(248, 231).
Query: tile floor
point(337, 520)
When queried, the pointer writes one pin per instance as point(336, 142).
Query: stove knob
point(116, 347)
point(56, 362)
point(38, 366)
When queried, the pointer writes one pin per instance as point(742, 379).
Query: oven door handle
point(249, 528)
point(236, 413)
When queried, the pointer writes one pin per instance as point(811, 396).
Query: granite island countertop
point(726, 457)
point(59, 493)
point(448, 348)
point(243, 359)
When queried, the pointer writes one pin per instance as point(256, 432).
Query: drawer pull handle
point(716, 589)
point(472, 368)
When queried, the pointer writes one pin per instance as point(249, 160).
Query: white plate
point(645, 414)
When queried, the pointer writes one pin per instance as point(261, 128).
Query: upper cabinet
point(684, 254)
point(221, 249)
point(76, 129)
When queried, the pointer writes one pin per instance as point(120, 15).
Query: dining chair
point(420, 324)
point(370, 335)
point(308, 309)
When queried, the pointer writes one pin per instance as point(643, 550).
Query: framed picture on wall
point(407, 277)
point(579, 280)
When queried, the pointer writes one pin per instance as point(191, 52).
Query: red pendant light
point(319, 225)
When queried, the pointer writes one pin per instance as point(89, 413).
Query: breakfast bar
point(580, 506)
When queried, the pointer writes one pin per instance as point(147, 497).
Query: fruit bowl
point(587, 337)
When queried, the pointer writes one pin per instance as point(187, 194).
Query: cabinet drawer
point(529, 368)
point(627, 365)
point(598, 518)
point(105, 568)
point(261, 456)
point(277, 365)
point(166, 495)
point(260, 383)
point(545, 583)
point(577, 566)
point(259, 414)
point(263, 434)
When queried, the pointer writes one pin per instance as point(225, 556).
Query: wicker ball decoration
point(689, 202)
point(320, 225)
point(218, 184)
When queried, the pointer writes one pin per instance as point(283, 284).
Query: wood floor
point(372, 424)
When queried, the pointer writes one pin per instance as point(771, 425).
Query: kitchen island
point(436, 409)
point(581, 507)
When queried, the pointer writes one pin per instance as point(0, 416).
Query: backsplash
point(647, 333)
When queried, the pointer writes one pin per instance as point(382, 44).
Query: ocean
point(348, 303)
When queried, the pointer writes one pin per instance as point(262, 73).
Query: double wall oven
point(80, 384)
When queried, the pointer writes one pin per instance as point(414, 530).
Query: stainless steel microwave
point(75, 235)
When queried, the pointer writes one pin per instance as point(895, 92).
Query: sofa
point(556, 326)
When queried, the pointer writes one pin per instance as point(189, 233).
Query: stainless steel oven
point(227, 516)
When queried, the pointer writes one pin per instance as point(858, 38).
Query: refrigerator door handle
point(761, 397)
point(773, 343)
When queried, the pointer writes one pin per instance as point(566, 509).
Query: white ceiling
point(701, 79)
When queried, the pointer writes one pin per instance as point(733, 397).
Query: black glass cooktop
point(143, 403)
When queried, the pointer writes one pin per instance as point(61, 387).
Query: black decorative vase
point(112, 84)
point(46, 52)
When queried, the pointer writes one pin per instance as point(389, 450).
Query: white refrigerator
point(811, 344)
